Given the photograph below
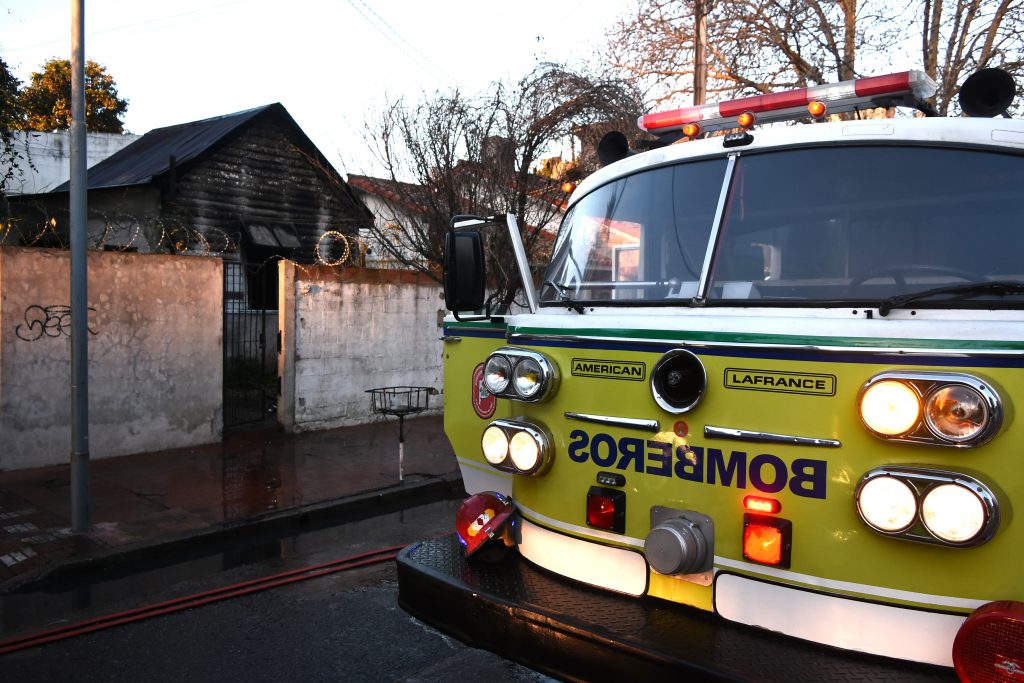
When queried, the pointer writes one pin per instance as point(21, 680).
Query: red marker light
point(767, 540)
point(606, 509)
point(761, 505)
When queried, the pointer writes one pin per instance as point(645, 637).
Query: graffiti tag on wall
point(46, 321)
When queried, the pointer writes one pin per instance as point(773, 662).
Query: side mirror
point(464, 275)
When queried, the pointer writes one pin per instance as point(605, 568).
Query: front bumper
point(575, 632)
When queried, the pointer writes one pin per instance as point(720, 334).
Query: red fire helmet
point(481, 517)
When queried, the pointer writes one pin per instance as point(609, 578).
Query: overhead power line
point(395, 38)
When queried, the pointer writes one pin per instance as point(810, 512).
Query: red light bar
point(904, 88)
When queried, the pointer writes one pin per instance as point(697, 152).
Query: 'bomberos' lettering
point(765, 472)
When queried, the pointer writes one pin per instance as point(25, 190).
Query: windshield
point(800, 226)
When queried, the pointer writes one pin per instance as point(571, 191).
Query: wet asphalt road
point(342, 627)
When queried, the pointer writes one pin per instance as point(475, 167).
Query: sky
point(330, 63)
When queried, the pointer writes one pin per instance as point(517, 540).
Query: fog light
point(953, 513)
point(495, 445)
point(525, 451)
point(890, 408)
point(887, 504)
point(956, 412)
point(497, 373)
point(527, 377)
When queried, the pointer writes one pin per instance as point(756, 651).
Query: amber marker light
point(691, 130)
point(767, 540)
point(746, 119)
point(568, 187)
point(817, 109)
point(890, 408)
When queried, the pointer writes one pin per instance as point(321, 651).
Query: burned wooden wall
point(263, 186)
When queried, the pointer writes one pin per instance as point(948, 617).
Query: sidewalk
point(180, 496)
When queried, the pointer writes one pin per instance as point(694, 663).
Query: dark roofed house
point(248, 186)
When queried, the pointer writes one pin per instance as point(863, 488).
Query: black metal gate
point(250, 351)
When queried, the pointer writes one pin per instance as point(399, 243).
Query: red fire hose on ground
point(199, 599)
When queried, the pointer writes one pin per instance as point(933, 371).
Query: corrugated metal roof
point(150, 156)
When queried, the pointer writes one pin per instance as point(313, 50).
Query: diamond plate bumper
point(577, 633)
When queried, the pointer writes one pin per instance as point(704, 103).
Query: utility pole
point(700, 59)
point(81, 512)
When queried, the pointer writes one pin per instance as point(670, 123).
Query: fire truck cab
point(758, 421)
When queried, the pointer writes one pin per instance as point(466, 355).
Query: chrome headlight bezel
point(927, 385)
point(538, 434)
point(922, 481)
point(547, 381)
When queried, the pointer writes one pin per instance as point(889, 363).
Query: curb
point(272, 524)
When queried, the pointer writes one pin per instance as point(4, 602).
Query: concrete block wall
point(345, 331)
point(155, 359)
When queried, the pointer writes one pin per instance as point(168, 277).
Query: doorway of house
point(250, 344)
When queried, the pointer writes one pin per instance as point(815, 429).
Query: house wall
point(263, 176)
point(45, 158)
point(155, 361)
point(346, 331)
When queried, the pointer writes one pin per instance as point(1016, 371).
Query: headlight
point(956, 412)
point(887, 504)
point(928, 506)
point(517, 447)
point(525, 451)
point(520, 375)
point(527, 377)
point(497, 373)
point(495, 445)
point(931, 408)
point(953, 513)
point(890, 408)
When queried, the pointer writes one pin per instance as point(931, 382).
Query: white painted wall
point(155, 364)
point(50, 157)
point(345, 331)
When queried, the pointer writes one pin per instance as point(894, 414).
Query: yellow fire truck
point(758, 420)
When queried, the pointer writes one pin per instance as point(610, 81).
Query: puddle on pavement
point(59, 601)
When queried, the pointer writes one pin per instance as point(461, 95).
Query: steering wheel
point(897, 273)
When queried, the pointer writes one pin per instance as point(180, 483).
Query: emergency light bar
point(907, 88)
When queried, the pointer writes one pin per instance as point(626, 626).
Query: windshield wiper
point(965, 290)
point(565, 298)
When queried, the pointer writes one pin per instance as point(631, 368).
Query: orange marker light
point(746, 119)
point(568, 187)
point(691, 130)
point(817, 109)
point(762, 505)
point(767, 540)
point(762, 543)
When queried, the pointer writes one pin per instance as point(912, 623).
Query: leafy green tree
point(46, 100)
point(10, 119)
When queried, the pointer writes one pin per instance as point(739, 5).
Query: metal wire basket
point(400, 401)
